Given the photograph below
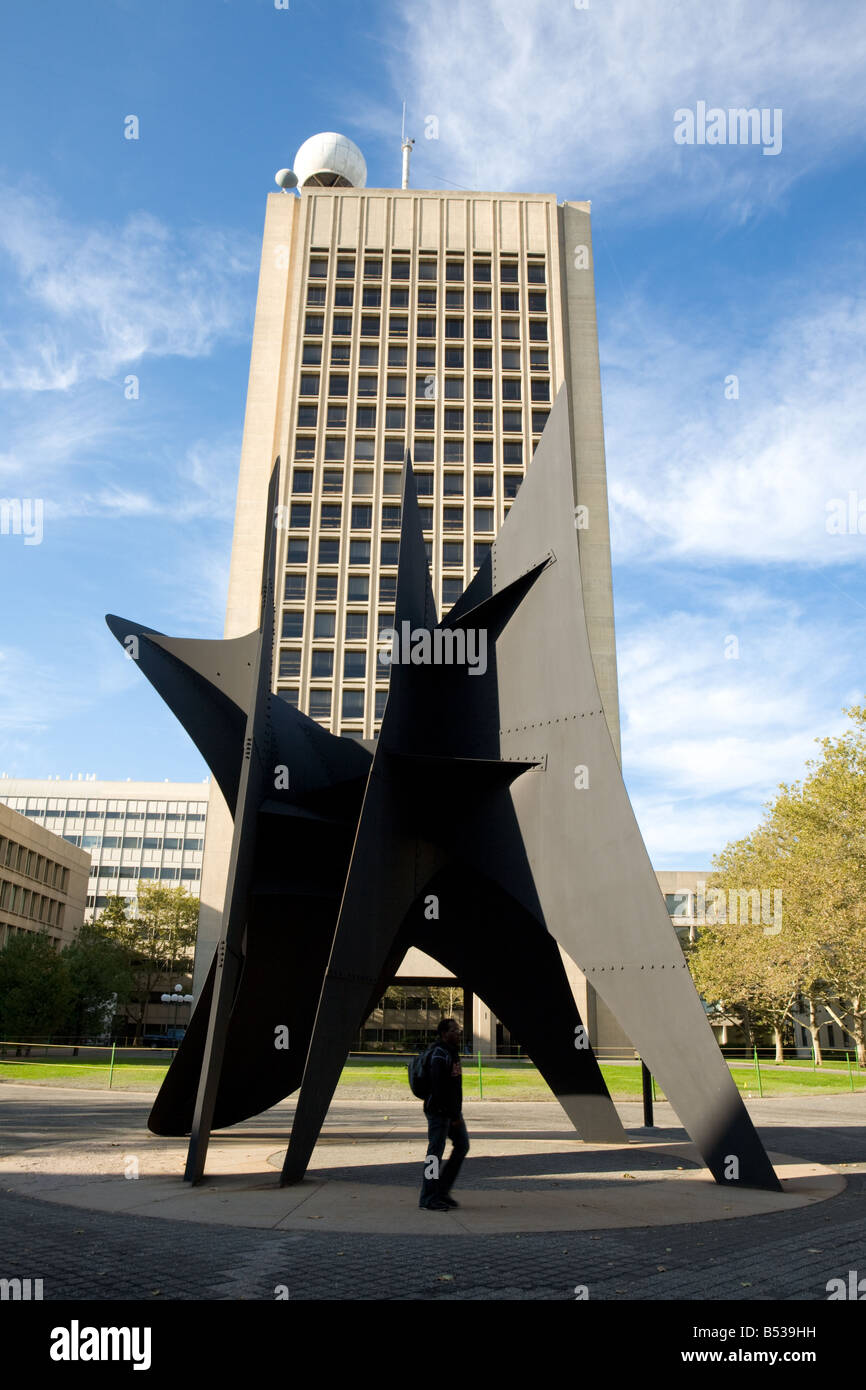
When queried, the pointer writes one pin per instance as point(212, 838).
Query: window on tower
point(353, 704)
point(290, 663)
point(320, 704)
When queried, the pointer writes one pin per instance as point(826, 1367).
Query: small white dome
point(330, 160)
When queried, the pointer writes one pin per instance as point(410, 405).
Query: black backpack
point(419, 1073)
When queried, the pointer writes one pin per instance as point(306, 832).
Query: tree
point(737, 963)
point(811, 847)
point(34, 988)
point(447, 998)
point(158, 941)
point(100, 979)
point(826, 816)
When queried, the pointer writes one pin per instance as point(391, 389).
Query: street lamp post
point(176, 998)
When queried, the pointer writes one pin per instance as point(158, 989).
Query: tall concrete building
point(387, 319)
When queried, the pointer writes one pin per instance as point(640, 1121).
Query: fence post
point(758, 1072)
point(850, 1072)
point(480, 1078)
point(111, 1068)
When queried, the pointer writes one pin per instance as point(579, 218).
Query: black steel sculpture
point(490, 826)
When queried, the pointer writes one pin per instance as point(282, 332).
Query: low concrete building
point(43, 881)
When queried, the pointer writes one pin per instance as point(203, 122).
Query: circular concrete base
point(369, 1183)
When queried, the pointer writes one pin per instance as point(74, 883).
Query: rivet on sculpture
point(495, 787)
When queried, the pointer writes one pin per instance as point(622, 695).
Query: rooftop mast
point(406, 147)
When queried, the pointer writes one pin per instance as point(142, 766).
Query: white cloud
point(708, 738)
point(93, 300)
point(713, 479)
point(199, 486)
point(540, 95)
point(36, 695)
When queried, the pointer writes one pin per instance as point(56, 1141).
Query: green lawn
point(131, 1076)
point(371, 1079)
point(502, 1082)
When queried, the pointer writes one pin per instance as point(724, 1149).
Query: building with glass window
point(130, 830)
point(387, 319)
point(43, 880)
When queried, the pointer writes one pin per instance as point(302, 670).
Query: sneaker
point(449, 1201)
point(436, 1204)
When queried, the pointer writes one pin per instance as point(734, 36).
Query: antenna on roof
point(406, 147)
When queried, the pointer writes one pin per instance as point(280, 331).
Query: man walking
point(443, 1108)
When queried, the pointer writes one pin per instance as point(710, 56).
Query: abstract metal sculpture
point(489, 827)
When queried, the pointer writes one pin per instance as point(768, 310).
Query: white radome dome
point(330, 160)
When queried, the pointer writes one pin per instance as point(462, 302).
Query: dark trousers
point(438, 1128)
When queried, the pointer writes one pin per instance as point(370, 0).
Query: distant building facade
point(43, 881)
point(131, 830)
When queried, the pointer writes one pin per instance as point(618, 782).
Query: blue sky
point(122, 257)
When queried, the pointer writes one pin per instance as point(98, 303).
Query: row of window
point(425, 356)
point(352, 703)
point(422, 450)
point(359, 549)
point(100, 812)
point(428, 268)
point(453, 389)
point(135, 842)
point(398, 327)
point(452, 484)
point(32, 864)
point(24, 902)
point(425, 418)
point(134, 871)
point(426, 298)
point(298, 548)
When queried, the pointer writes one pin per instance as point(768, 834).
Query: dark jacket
point(446, 1083)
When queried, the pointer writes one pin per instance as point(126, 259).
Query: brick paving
point(790, 1255)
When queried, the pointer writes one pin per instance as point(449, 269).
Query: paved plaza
point(540, 1212)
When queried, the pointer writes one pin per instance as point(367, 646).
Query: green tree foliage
point(35, 990)
point(101, 981)
point(811, 848)
point(158, 941)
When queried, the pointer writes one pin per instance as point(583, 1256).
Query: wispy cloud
point(202, 487)
point(732, 443)
point(88, 301)
point(534, 95)
point(722, 704)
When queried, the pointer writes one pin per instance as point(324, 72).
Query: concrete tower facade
point(390, 319)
